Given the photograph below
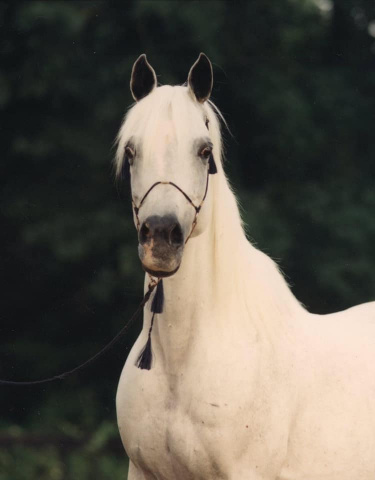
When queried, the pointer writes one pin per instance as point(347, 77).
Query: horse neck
point(223, 282)
point(188, 303)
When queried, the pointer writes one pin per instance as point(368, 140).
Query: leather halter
point(197, 208)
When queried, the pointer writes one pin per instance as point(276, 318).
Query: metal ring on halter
point(197, 208)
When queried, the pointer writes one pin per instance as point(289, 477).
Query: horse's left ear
point(143, 78)
point(200, 79)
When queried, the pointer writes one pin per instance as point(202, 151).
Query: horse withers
point(242, 383)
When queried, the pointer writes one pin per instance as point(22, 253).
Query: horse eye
point(205, 152)
point(129, 154)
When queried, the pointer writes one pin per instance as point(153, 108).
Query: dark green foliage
point(68, 456)
point(297, 88)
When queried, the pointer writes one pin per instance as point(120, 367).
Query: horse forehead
point(165, 142)
point(165, 135)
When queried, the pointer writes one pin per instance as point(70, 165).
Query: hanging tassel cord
point(144, 360)
point(92, 359)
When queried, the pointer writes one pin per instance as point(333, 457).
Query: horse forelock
point(167, 104)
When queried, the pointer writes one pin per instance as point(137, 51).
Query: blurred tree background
point(295, 80)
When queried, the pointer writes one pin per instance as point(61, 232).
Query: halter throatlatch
point(144, 360)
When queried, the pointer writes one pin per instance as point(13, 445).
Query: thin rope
point(92, 359)
point(197, 209)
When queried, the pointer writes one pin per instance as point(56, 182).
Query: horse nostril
point(161, 230)
point(175, 236)
point(144, 233)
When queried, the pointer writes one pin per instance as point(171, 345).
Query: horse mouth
point(160, 259)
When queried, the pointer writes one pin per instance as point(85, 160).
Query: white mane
point(251, 276)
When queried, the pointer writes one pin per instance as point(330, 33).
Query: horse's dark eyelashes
point(205, 152)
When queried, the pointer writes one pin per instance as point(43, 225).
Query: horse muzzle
point(161, 244)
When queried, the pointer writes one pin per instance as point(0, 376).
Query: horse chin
point(160, 273)
point(164, 265)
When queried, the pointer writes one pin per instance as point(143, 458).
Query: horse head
point(166, 145)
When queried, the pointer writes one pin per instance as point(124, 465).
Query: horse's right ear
point(200, 78)
point(143, 78)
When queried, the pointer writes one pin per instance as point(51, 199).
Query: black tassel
point(158, 300)
point(144, 360)
point(212, 165)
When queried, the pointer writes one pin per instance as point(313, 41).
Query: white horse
point(245, 384)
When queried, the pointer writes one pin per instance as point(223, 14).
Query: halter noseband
point(197, 208)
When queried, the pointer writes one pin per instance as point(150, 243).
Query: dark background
point(295, 81)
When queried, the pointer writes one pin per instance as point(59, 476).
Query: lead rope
point(144, 360)
point(83, 365)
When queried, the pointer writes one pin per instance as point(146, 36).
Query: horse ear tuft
point(143, 78)
point(200, 79)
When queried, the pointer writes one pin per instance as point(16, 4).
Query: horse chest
point(169, 433)
point(190, 428)
point(171, 444)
